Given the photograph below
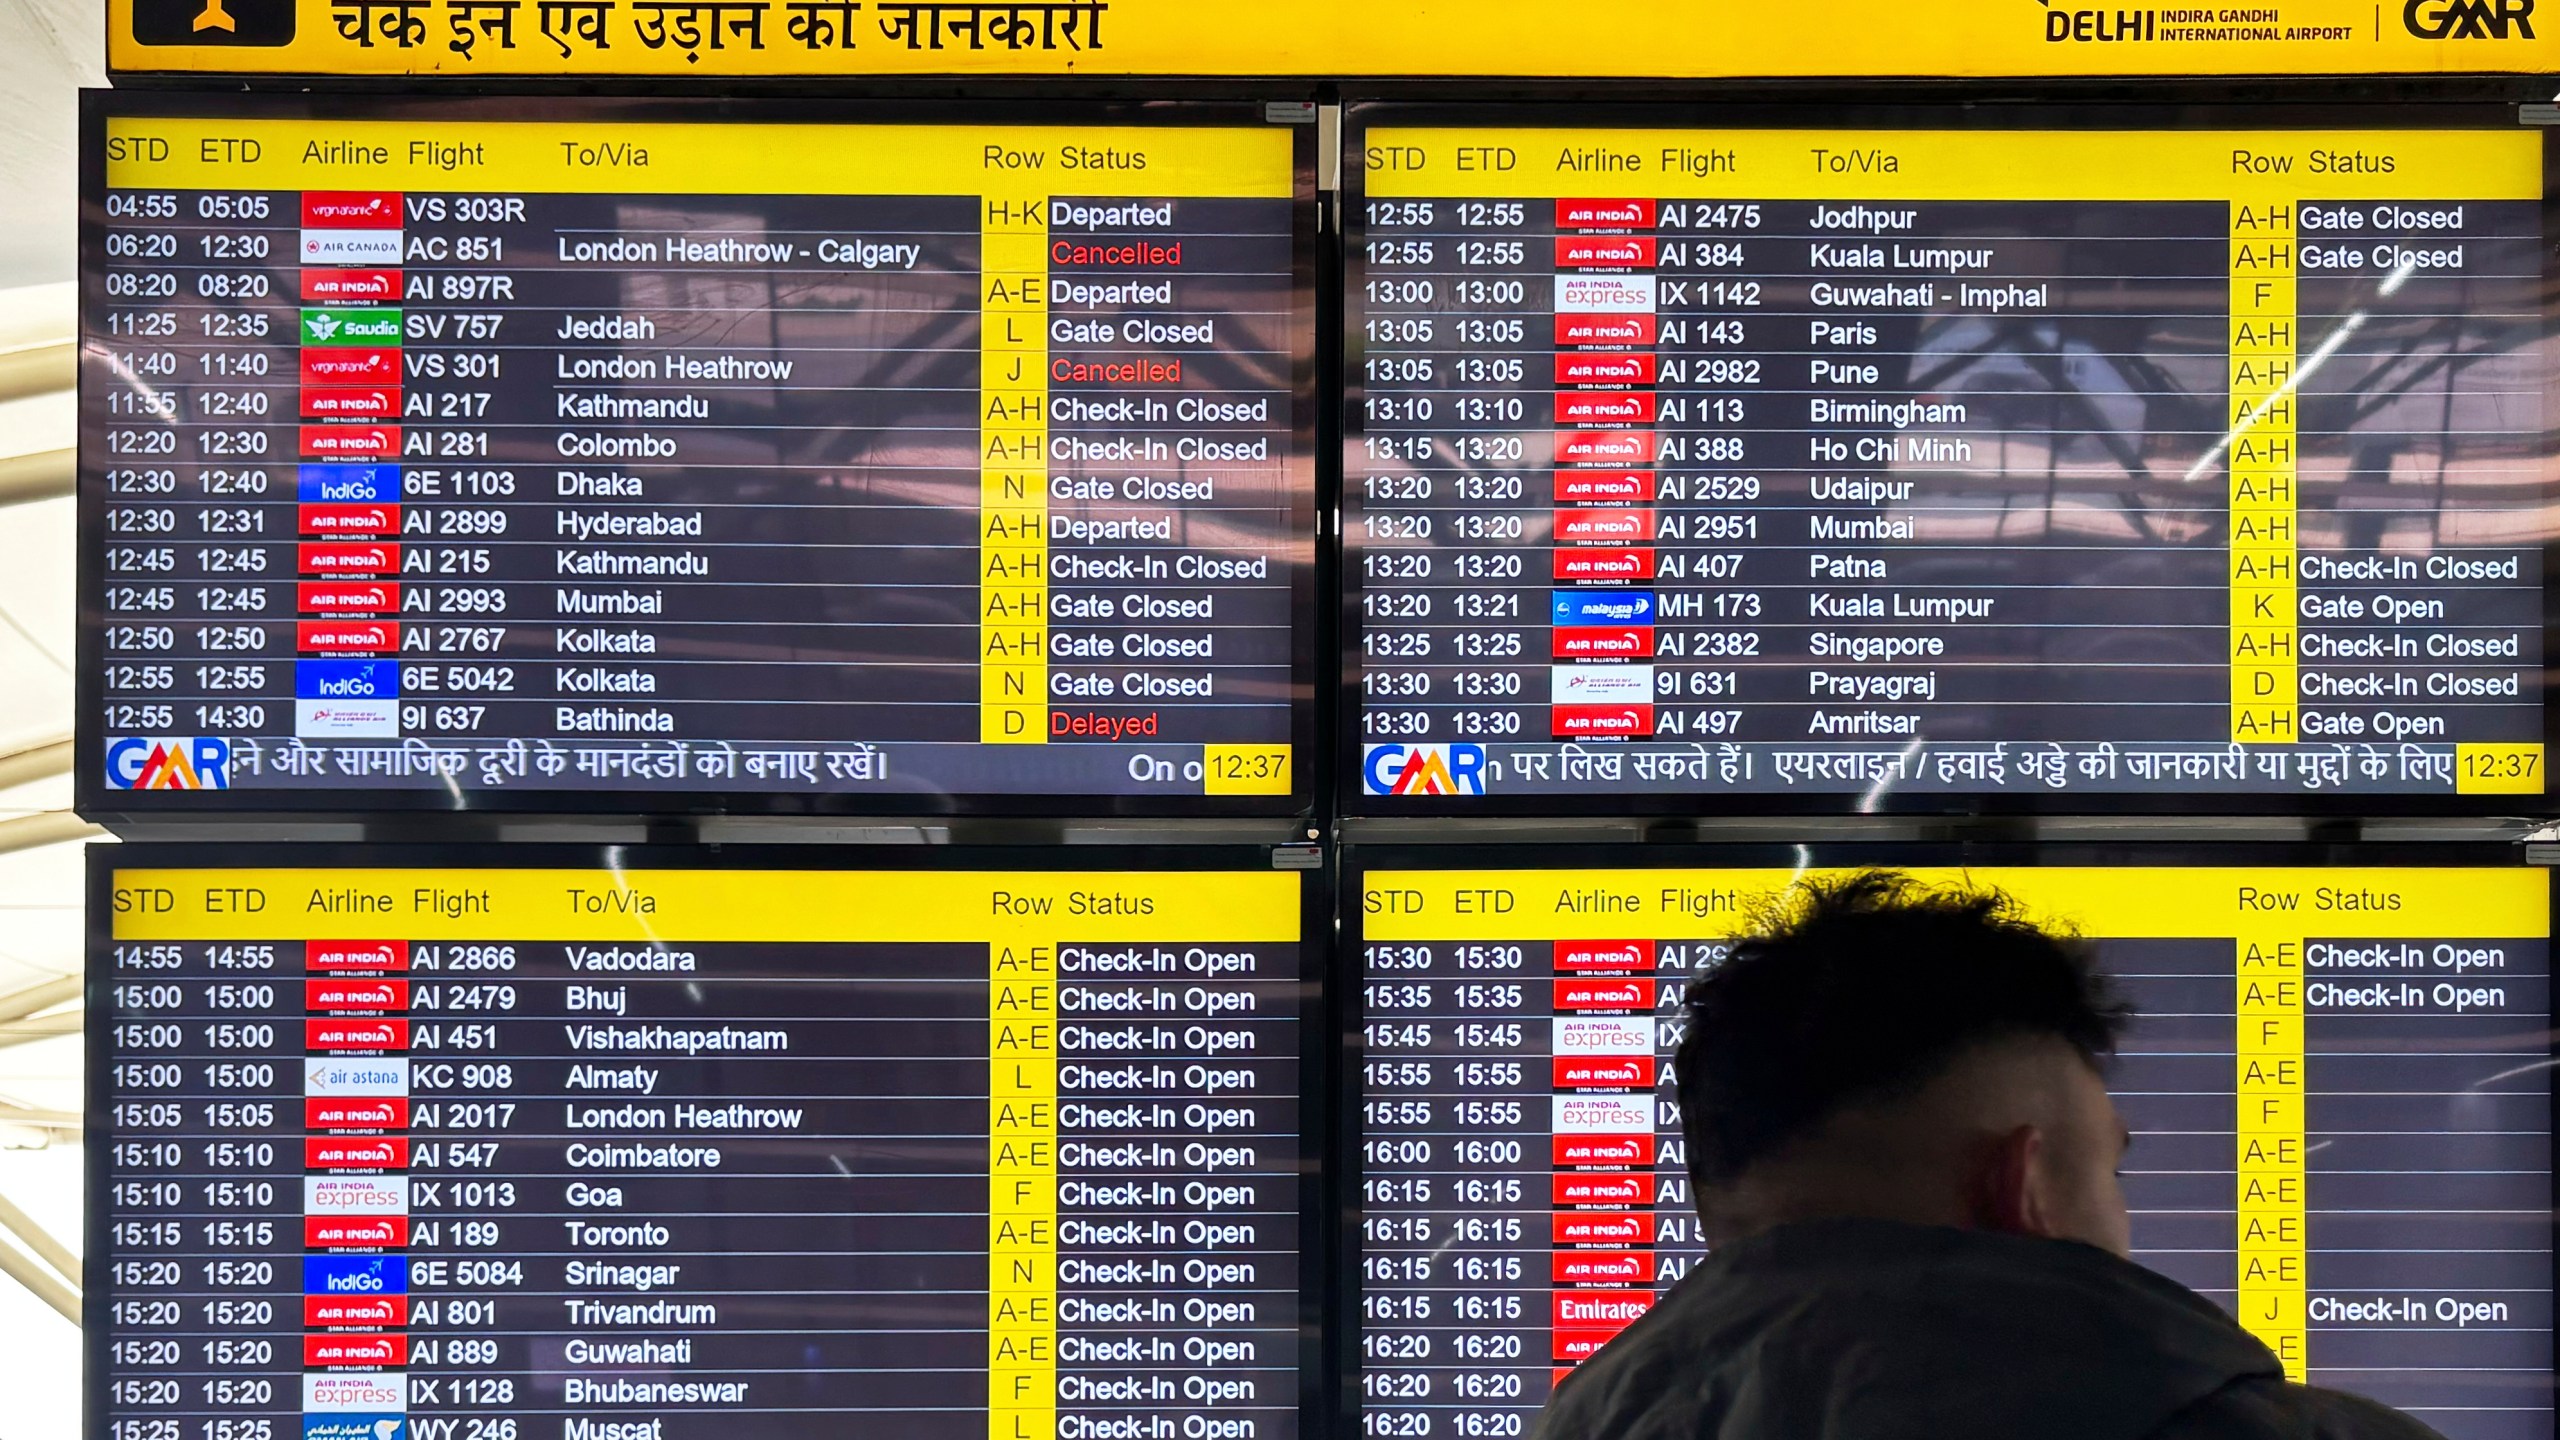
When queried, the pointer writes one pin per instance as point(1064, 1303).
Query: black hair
point(1863, 987)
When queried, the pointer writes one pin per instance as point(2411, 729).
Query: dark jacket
point(1868, 1330)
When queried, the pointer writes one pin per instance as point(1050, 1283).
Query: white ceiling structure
point(48, 50)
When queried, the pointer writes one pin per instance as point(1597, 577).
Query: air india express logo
point(1456, 769)
point(159, 763)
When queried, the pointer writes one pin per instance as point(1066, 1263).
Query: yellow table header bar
point(706, 906)
point(2125, 903)
point(1888, 165)
point(1327, 38)
point(743, 158)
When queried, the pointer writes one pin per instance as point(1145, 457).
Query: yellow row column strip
point(2265, 688)
point(1022, 1192)
point(1013, 435)
point(2272, 1203)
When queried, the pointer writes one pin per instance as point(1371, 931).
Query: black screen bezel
point(1316, 1051)
point(2283, 106)
point(1359, 861)
point(94, 799)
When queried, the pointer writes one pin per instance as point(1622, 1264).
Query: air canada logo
point(213, 22)
point(2469, 19)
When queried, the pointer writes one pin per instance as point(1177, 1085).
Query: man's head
point(1885, 1050)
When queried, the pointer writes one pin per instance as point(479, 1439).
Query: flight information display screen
point(547, 455)
point(2338, 1085)
point(617, 1152)
point(1908, 468)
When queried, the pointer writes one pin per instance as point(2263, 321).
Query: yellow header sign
point(1671, 39)
point(642, 906)
point(1500, 163)
point(665, 159)
point(2101, 902)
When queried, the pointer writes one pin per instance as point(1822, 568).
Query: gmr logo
point(1424, 770)
point(2468, 19)
point(135, 763)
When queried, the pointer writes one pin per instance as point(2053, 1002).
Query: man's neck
point(1772, 1196)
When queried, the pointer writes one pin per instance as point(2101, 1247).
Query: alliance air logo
point(1456, 769)
point(155, 763)
point(2468, 19)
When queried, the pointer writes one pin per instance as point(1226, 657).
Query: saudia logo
point(375, 325)
point(2468, 19)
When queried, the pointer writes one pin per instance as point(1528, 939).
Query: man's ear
point(2001, 1194)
